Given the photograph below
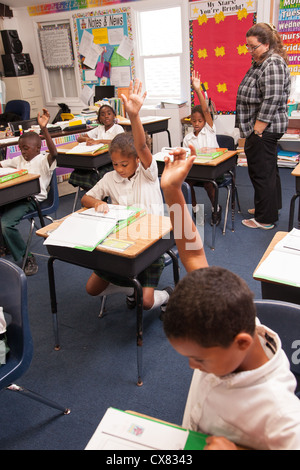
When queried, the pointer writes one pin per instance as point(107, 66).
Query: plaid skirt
point(147, 278)
point(86, 179)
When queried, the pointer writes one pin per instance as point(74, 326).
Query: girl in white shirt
point(103, 134)
point(134, 181)
point(203, 135)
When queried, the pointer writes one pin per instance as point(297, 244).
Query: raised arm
point(132, 107)
point(188, 240)
point(43, 121)
point(196, 84)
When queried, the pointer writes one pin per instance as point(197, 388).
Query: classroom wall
point(23, 23)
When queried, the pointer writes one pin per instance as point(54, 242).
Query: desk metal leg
point(214, 214)
point(53, 301)
point(175, 264)
point(139, 328)
point(292, 210)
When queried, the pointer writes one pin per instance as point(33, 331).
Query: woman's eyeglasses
point(252, 48)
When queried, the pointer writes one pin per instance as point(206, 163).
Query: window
point(160, 52)
point(62, 84)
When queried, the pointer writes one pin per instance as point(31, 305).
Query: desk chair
point(44, 209)
point(284, 319)
point(172, 256)
point(19, 107)
point(226, 141)
point(13, 298)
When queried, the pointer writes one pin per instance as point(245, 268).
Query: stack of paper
point(283, 263)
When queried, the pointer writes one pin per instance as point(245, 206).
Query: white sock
point(160, 297)
point(114, 289)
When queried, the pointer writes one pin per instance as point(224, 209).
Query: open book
point(87, 229)
point(123, 430)
point(83, 149)
point(165, 152)
point(7, 174)
point(282, 265)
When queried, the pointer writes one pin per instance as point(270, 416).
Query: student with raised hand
point(242, 390)
point(203, 135)
point(34, 161)
point(134, 182)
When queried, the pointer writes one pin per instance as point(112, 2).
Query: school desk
point(81, 162)
point(148, 237)
point(152, 125)
point(296, 173)
point(276, 290)
point(211, 171)
point(19, 188)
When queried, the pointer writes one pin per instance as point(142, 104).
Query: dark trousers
point(261, 153)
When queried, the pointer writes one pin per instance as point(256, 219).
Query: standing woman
point(262, 118)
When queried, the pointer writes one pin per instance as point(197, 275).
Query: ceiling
point(22, 3)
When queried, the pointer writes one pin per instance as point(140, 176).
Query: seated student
point(203, 135)
point(134, 181)
point(103, 134)
point(242, 391)
point(34, 161)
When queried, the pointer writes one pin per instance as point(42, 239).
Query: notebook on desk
point(124, 430)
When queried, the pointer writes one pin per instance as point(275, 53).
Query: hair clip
point(273, 28)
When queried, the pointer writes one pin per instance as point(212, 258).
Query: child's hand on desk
point(136, 98)
point(219, 443)
point(101, 206)
point(91, 141)
point(176, 172)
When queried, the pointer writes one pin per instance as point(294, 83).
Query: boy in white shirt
point(203, 135)
point(37, 163)
point(242, 391)
point(134, 181)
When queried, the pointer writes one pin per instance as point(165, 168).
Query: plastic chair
point(19, 107)
point(67, 116)
point(13, 299)
point(44, 209)
point(284, 319)
point(173, 256)
point(226, 141)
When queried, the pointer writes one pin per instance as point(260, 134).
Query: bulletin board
point(104, 48)
point(218, 48)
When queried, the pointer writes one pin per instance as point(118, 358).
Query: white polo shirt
point(99, 132)
point(141, 190)
point(206, 138)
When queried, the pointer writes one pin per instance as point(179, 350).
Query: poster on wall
point(218, 48)
point(104, 48)
point(56, 46)
point(289, 29)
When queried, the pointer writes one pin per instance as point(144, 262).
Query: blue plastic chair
point(19, 107)
point(284, 319)
point(226, 141)
point(44, 209)
point(13, 299)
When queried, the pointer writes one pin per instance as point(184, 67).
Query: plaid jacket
point(263, 95)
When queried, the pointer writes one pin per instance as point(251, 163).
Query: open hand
point(44, 119)
point(196, 82)
point(136, 98)
point(176, 171)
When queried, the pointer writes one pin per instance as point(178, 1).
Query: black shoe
point(31, 266)
point(217, 217)
point(163, 307)
point(130, 301)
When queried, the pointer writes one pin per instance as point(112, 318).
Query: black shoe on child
point(163, 307)
point(31, 266)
